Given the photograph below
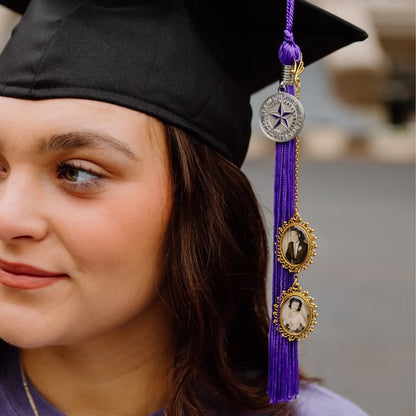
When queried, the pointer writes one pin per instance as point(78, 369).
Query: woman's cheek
point(120, 227)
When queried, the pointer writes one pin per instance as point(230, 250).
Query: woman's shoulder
point(315, 400)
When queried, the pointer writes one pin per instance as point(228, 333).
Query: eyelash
point(63, 169)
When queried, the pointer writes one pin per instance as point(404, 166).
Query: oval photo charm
point(281, 117)
point(296, 315)
point(296, 245)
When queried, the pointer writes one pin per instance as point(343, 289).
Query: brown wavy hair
point(215, 284)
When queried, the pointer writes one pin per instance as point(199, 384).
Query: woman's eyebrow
point(77, 139)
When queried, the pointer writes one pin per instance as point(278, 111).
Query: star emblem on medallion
point(281, 116)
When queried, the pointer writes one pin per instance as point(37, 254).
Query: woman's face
point(295, 306)
point(84, 196)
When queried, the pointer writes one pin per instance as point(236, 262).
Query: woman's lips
point(22, 276)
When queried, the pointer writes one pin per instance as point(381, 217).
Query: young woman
point(133, 255)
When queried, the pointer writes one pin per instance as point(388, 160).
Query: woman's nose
point(20, 211)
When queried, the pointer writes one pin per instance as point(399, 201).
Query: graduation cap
point(190, 63)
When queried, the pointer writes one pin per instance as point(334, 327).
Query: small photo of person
point(295, 245)
point(294, 315)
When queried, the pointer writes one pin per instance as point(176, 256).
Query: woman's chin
point(27, 333)
point(25, 337)
point(25, 341)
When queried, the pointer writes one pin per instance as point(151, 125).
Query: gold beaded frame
point(295, 316)
point(292, 256)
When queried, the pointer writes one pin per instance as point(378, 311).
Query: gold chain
point(297, 70)
point(27, 390)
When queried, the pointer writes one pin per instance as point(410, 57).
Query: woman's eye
point(77, 176)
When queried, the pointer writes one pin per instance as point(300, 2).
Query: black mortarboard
point(190, 63)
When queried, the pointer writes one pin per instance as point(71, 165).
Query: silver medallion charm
point(281, 117)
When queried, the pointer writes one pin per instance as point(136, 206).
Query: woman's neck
point(125, 373)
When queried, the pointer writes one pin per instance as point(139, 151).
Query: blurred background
point(357, 190)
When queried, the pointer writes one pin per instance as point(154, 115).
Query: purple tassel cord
point(283, 383)
point(289, 51)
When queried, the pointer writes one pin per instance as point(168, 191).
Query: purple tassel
point(283, 382)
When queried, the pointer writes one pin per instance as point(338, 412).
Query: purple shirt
point(312, 400)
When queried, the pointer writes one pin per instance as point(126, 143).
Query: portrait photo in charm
point(296, 314)
point(296, 245)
